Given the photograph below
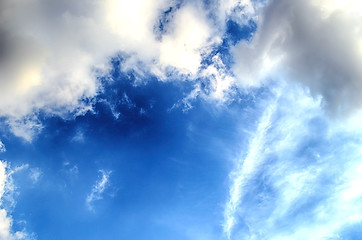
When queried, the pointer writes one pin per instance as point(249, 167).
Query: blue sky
point(182, 120)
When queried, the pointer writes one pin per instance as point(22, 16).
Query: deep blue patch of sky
point(235, 32)
point(166, 17)
point(167, 165)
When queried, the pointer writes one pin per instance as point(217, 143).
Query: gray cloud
point(317, 44)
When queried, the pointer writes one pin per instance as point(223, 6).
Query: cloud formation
point(316, 43)
point(51, 53)
point(299, 177)
point(246, 168)
point(98, 188)
point(35, 174)
point(7, 202)
point(2, 147)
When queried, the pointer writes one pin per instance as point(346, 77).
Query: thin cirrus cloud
point(246, 168)
point(300, 176)
point(98, 188)
point(2, 147)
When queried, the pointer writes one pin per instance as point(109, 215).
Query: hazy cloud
point(246, 168)
point(35, 174)
point(299, 176)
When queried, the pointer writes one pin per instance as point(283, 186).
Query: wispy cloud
point(2, 147)
point(299, 178)
point(35, 174)
point(98, 188)
point(246, 168)
point(7, 203)
point(78, 136)
point(25, 127)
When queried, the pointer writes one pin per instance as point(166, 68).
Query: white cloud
point(220, 81)
point(300, 177)
point(35, 174)
point(7, 202)
point(246, 169)
point(188, 37)
point(186, 102)
point(25, 127)
point(240, 11)
point(53, 51)
point(98, 188)
point(78, 136)
point(317, 43)
point(2, 147)
point(19, 168)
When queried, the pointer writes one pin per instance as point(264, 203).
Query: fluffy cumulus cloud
point(300, 176)
point(51, 52)
point(317, 43)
